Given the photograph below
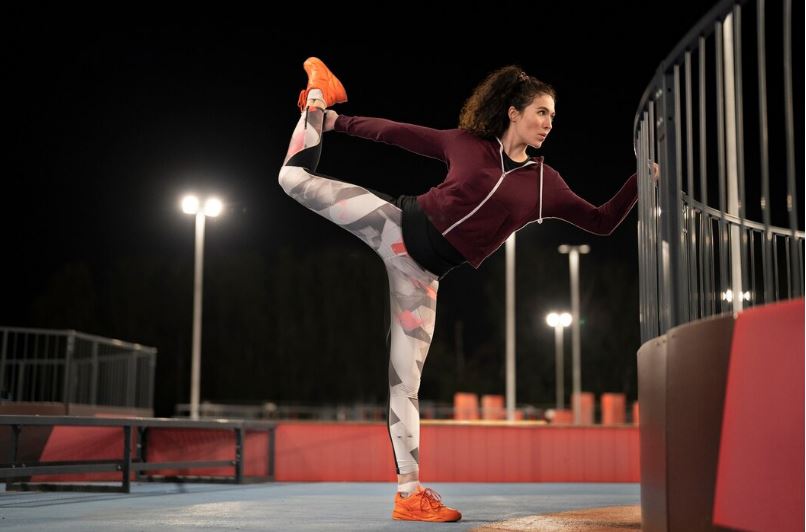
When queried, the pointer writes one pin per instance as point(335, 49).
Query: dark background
point(111, 117)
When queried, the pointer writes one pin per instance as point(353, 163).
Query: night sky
point(111, 117)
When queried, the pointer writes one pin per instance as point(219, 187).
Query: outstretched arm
point(601, 220)
point(418, 139)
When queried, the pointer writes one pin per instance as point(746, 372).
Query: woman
point(492, 189)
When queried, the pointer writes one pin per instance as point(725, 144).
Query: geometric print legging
point(412, 289)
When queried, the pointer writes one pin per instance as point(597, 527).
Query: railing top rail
point(735, 220)
point(84, 336)
point(703, 28)
point(134, 422)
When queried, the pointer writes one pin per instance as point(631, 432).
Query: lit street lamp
point(573, 253)
point(212, 208)
point(559, 322)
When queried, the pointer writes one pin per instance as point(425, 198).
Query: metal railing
point(134, 459)
point(42, 365)
point(706, 235)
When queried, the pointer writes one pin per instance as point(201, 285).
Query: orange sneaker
point(320, 77)
point(423, 505)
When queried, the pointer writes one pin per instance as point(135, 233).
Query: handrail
point(134, 459)
point(699, 253)
point(758, 226)
point(703, 28)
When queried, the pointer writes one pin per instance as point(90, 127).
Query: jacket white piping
point(540, 212)
point(498, 184)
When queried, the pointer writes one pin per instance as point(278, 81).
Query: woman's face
point(532, 125)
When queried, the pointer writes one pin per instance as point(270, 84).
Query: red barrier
point(562, 416)
point(70, 443)
point(358, 452)
point(465, 406)
point(585, 402)
point(760, 479)
point(460, 452)
point(82, 443)
point(450, 452)
point(492, 407)
point(176, 445)
point(614, 408)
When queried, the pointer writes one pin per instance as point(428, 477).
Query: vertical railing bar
point(791, 191)
point(739, 87)
point(776, 284)
point(695, 284)
point(94, 374)
point(678, 260)
point(131, 378)
point(788, 268)
point(37, 340)
point(694, 288)
point(761, 51)
point(714, 295)
point(127, 458)
point(21, 378)
point(689, 129)
point(239, 453)
point(753, 284)
point(720, 127)
point(701, 262)
point(15, 442)
point(657, 240)
point(642, 293)
point(68, 362)
point(703, 143)
point(720, 114)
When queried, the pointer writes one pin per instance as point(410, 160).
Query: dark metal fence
point(42, 365)
point(134, 459)
point(721, 229)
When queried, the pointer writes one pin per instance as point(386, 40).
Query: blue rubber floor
point(289, 506)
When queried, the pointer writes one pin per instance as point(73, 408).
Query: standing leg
point(413, 300)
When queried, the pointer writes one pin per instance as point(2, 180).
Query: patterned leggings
point(413, 290)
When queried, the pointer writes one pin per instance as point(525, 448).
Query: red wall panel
point(760, 479)
point(460, 453)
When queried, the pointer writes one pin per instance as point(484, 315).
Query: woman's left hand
point(654, 171)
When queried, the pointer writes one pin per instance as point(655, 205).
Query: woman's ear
point(513, 113)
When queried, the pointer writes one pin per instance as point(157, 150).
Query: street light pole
point(559, 322)
point(573, 253)
point(560, 369)
point(212, 208)
point(195, 371)
point(510, 332)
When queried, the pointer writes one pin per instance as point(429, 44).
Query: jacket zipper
point(498, 184)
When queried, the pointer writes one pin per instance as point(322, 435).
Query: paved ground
point(290, 506)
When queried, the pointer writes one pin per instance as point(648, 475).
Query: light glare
point(190, 204)
point(555, 319)
point(565, 319)
point(213, 207)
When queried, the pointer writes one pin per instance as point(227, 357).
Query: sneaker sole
point(409, 517)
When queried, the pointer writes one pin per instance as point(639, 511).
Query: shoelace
point(432, 498)
point(303, 99)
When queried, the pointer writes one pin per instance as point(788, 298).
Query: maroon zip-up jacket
point(479, 204)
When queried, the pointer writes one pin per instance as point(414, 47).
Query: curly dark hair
point(485, 112)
